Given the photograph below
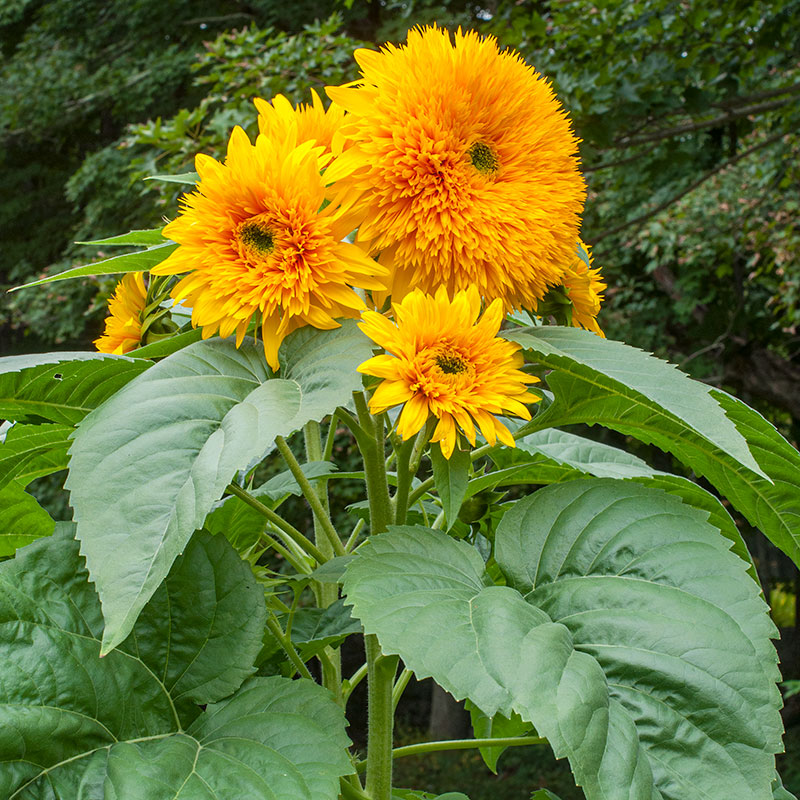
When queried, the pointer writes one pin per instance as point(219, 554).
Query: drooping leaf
point(31, 451)
point(496, 727)
point(772, 504)
point(648, 588)
point(238, 522)
point(641, 650)
point(450, 477)
point(61, 387)
point(314, 629)
point(75, 725)
point(639, 388)
point(138, 238)
point(139, 261)
point(22, 519)
point(167, 445)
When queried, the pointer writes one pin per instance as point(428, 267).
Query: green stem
point(381, 670)
point(419, 491)
point(353, 681)
point(300, 563)
point(400, 686)
point(404, 476)
point(283, 527)
point(459, 744)
point(286, 644)
point(311, 496)
point(327, 453)
point(357, 528)
point(372, 451)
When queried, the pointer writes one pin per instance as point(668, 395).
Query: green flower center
point(450, 364)
point(257, 237)
point(483, 158)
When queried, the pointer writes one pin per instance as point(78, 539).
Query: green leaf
point(450, 477)
point(332, 571)
point(184, 177)
point(61, 387)
point(138, 238)
point(635, 388)
point(74, 725)
point(202, 629)
point(779, 792)
point(166, 347)
point(166, 446)
point(238, 522)
point(769, 504)
point(559, 456)
point(641, 650)
point(129, 262)
point(544, 794)
point(498, 726)
point(415, 794)
point(31, 451)
point(22, 519)
point(648, 588)
point(314, 629)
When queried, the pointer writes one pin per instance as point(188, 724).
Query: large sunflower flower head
point(585, 286)
point(463, 168)
point(123, 326)
point(443, 360)
point(279, 119)
point(256, 243)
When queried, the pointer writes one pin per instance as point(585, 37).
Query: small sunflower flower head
point(585, 286)
point(444, 359)
point(279, 119)
point(257, 243)
point(461, 168)
point(123, 326)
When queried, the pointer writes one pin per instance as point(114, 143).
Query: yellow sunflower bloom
point(123, 328)
point(442, 360)
point(585, 286)
point(256, 243)
point(279, 119)
point(463, 168)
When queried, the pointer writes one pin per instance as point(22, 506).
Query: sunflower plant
point(403, 268)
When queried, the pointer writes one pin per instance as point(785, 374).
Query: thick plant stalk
point(381, 669)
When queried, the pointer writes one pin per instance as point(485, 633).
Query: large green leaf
point(75, 725)
point(641, 651)
point(61, 387)
point(648, 588)
point(554, 456)
point(635, 387)
point(139, 261)
point(31, 451)
point(585, 394)
point(22, 519)
point(148, 466)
